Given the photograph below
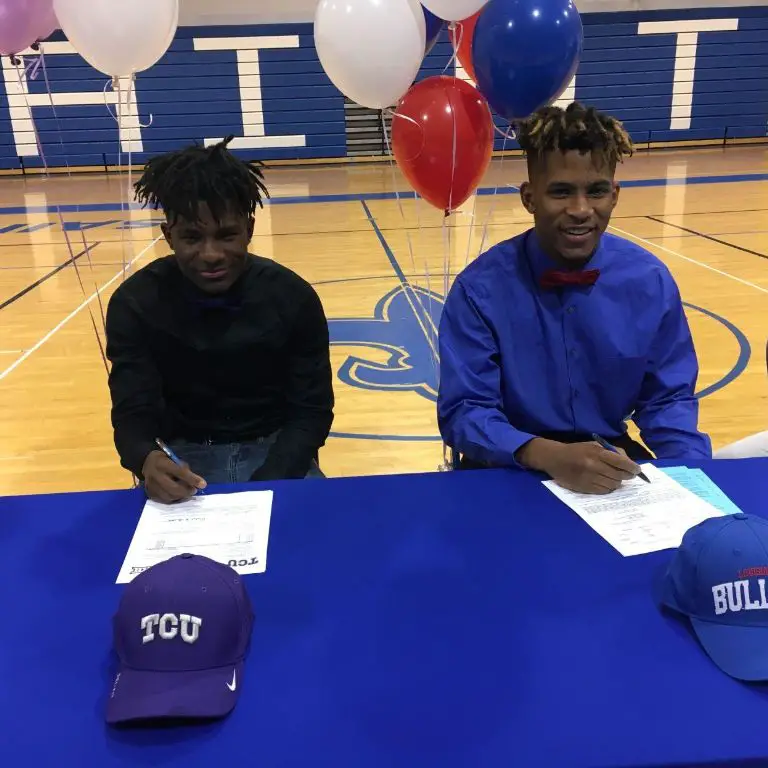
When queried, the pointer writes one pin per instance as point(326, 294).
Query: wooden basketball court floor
point(381, 267)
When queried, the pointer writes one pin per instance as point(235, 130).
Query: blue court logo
point(404, 326)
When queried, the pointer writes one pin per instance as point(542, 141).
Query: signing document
point(231, 528)
point(640, 517)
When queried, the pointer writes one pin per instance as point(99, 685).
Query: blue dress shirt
point(518, 360)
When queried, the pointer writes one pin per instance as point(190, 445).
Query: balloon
point(461, 38)
point(454, 10)
point(525, 53)
point(371, 50)
point(19, 22)
point(434, 27)
point(47, 23)
point(118, 37)
point(442, 139)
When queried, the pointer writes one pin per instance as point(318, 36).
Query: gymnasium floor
point(381, 266)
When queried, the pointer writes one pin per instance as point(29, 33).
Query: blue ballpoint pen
point(168, 452)
point(171, 455)
point(608, 447)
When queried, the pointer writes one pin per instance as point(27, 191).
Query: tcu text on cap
point(168, 627)
point(734, 596)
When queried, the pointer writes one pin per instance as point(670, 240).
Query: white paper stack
point(231, 528)
point(640, 517)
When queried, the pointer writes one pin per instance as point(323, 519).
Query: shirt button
point(571, 310)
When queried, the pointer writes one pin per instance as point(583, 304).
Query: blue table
point(465, 620)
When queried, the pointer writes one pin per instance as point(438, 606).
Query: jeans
point(229, 462)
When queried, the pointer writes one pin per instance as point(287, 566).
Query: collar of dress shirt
point(540, 262)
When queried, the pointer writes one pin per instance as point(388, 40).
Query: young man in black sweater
point(220, 354)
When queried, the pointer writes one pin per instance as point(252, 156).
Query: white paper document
point(640, 517)
point(231, 528)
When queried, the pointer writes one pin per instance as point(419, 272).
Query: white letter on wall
point(685, 59)
point(21, 102)
point(247, 49)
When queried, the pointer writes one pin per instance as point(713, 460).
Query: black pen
point(608, 447)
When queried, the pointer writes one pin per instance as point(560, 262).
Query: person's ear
point(251, 225)
point(165, 227)
point(616, 190)
point(526, 195)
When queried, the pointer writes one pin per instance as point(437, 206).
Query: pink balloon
point(21, 22)
point(48, 22)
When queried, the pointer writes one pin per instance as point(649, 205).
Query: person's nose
point(211, 252)
point(579, 208)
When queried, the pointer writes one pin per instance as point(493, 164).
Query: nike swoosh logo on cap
point(233, 685)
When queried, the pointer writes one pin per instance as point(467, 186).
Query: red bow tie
point(555, 278)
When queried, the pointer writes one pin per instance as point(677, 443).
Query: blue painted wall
point(196, 94)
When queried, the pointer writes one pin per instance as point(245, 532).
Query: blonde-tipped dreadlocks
point(576, 128)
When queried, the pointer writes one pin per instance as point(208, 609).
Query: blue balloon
point(525, 53)
point(434, 28)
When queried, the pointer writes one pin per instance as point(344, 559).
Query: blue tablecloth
point(459, 620)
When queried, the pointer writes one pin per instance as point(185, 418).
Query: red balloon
point(442, 139)
point(461, 37)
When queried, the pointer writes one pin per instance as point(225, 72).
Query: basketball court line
point(13, 366)
point(711, 237)
point(115, 263)
point(357, 197)
point(24, 291)
point(701, 264)
point(408, 290)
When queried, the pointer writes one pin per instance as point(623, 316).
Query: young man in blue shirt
point(565, 332)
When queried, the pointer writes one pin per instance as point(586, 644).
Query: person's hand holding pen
point(608, 447)
point(587, 467)
point(167, 478)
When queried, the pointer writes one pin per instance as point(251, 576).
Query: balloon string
point(106, 100)
point(471, 224)
point(427, 272)
point(508, 134)
point(493, 200)
point(392, 114)
point(446, 256)
point(120, 133)
point(32, 68)
point(131, 86)
point(456, 44)
point(88, 248)
point(24, 88)
point(447, 244)
point(73, 260)
point(431, 329)
point(53, 109)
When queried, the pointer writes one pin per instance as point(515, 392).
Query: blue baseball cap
point(718, 578)
point(181, 633)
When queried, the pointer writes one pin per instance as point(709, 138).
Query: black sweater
point(229, 368)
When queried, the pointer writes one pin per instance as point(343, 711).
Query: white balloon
point(371, 49)
point(454, 10)
point(119, 37)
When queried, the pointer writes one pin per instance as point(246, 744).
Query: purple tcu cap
point(181, 633)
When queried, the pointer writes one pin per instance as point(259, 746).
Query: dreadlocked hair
point(179, 182)
point(577, 127)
